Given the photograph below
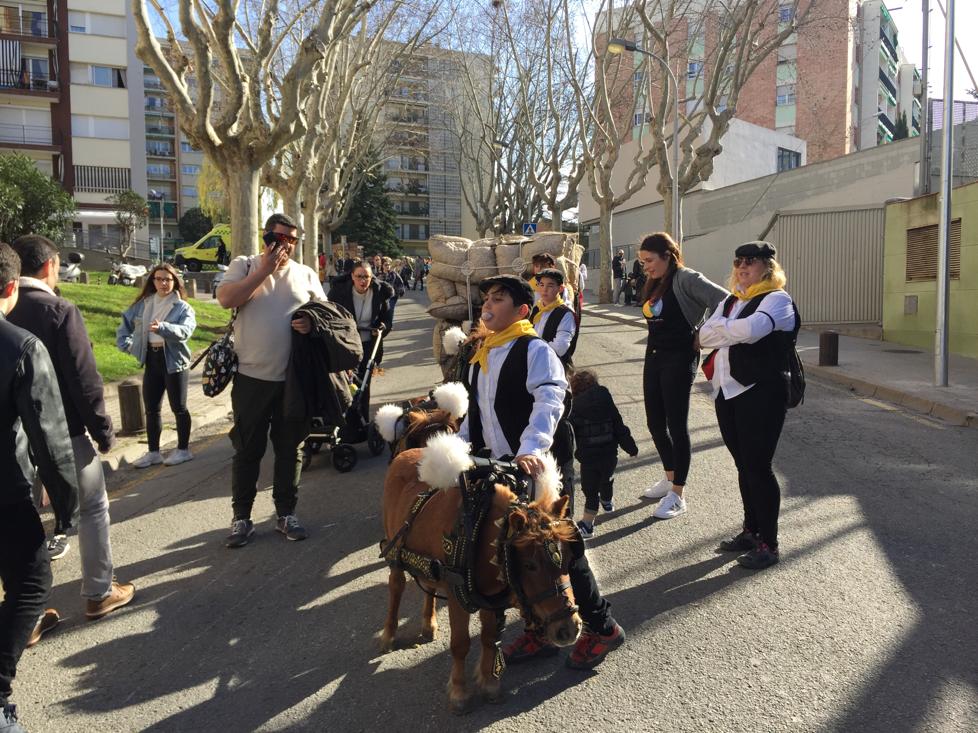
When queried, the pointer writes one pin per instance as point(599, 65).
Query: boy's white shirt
point(565, 332)
point(544, 380)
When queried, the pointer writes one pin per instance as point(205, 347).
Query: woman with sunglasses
point(155, 329)
point(751, 332)
point(675, 300)
point(368, 299)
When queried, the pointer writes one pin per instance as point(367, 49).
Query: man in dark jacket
point(618, 272)
point(60, 327)
point(32, 423)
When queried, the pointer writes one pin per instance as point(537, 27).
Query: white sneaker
point(148, 459)
point(180, 455)
point(658, 489)
point(672, 505)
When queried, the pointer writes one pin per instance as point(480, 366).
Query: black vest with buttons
point(551, 326)
point(765, 360)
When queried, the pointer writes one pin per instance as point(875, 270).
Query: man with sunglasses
point(266, 289)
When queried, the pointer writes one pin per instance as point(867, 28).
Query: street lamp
point(619, 45)
point(161, 197)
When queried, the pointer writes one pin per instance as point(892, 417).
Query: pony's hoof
point(428, 635)
point(494, 696)
point(459, 706)
point(385, 643)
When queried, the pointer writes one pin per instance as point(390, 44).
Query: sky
point(908, 16)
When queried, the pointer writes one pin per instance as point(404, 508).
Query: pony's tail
point(453, 398)
point(452, 340)
point(444, 457)
point(386, 421)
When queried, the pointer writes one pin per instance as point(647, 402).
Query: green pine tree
point(372, 221)
point(901, 129)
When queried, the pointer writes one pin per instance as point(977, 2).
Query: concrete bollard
point(828, 348)
point(131, 407)
point(83, 278)
point(191, 288)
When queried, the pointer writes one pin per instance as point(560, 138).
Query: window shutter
point(922, 252)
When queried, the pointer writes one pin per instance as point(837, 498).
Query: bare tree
point(238, 110)
point(721, 41)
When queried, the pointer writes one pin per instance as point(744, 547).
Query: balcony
point(888, 44)
point(153, 83)
point(889, 85)
point(160, 151)
point(886, 122)
point(31, 24)
point(159, 130)
point(26, 135)
point(23, 80)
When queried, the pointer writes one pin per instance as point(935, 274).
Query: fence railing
point(26, 134)
point(25, 23)
point(25, 79)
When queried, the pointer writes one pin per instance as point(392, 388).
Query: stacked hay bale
point(452, 257)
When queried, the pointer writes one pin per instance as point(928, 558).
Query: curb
point(947, 413)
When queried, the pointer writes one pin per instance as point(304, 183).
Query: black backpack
point(794, 374)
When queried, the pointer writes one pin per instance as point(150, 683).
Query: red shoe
point(528, 645)
point(592, 648)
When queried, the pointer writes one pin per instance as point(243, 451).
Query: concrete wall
point(918, 329)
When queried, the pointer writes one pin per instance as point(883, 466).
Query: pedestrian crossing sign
point(529, 228)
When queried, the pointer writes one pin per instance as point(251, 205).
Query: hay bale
point(439, 289)
point(473, 293)
point(505, 254)
point(454, 308)
point(448, 254)
point(482, 260)
point(558, 244)
point(570, 271)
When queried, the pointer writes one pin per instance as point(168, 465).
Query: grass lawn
point(103, 305)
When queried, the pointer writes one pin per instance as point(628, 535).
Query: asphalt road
point(868, 623)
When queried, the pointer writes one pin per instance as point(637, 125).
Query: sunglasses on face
point(284, 238)
point(745, 261)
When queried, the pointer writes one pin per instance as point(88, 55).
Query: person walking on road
point(598, 431)
point(60, 327)
point(752, 333)
point(675, 301)
point(618, 272)
point(552, 318)
point(368, 299)
point(155, 329)
point(33, 430)
point(266, 289)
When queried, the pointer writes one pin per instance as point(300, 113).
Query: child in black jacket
point(599, 430)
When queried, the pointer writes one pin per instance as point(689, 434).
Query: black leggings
point(155, 382)
point(598, 481)
point(667, 379)
point(750, 424)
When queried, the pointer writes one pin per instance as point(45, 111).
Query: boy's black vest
point(513, 404)
point(551, 326)
point(765, 360)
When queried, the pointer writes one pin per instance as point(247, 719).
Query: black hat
point(556, 275)
point(764, 250)
point(517, 287)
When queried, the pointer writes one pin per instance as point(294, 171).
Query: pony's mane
point(540, 525)
point(423, 424)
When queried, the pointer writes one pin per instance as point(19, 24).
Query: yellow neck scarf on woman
point(541, 309)
point(761, 288)
point(521, 328)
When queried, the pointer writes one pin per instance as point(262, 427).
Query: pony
point(422, 418)
point(521, 556)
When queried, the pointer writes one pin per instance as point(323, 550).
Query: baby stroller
point(339, 440)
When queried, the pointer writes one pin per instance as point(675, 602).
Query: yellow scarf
point(761, 288)
point(541, 309)
point(481, 356)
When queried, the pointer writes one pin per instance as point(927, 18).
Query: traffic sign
point(529, 228)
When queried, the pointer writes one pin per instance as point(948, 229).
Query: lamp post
point(619, 45)
point(161, 197)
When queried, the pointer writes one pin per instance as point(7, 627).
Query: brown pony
point(528, 529)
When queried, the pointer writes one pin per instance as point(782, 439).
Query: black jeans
point(598, 480)
point(667, 378)
point(155, 382)
point(750, 424)
point(258, 405)
point(25, 570)
point(594, 608)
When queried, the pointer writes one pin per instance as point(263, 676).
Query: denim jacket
point(132, 336)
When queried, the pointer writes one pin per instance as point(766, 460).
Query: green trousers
point(258, 406)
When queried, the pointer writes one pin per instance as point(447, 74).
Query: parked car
point(207, 250)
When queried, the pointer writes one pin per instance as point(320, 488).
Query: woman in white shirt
point(751, 333)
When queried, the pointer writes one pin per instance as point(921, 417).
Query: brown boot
point(48, 620)
point(119, 595)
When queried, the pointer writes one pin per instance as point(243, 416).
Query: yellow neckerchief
point(762, 288)
point(534, 283)
point(541, 309)
point(500, 338)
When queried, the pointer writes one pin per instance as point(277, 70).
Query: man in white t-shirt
point(266, 289)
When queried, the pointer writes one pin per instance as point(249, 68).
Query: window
point(785, 95)
point(159, 170)
point(786, 13)
point(189, 191)
point(77, 22)
point(100, 179)
point(107, 25)
point(111, 128)
point(694, 69)
point(922, 252)
point(186, 147)
point(190, 170)
point(211, 242)
point(788, 159)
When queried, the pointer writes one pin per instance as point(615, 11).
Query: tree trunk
point(328, 243)
point(291, 208)
point(666, 194)
point(243, 187)
point(309, 193)
point(557, 224)
point(605, 247)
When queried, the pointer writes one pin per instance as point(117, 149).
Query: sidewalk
point(888, 371)
point(204, 411)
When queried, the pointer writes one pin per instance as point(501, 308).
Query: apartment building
point(421, 153)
